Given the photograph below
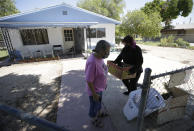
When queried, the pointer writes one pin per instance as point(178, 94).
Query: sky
point(27, 5)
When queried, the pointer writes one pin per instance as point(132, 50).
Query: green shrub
point(191, 47)
point(171, 42)
point(172, 45)
point(163, 42)
point(170, 39)
point(181, 43)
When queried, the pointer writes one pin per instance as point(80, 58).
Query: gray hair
point(101, 45)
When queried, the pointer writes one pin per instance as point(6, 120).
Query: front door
point(68, 38)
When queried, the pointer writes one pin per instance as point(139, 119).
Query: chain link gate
point(177, 90)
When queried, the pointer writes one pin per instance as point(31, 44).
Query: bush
point(172, 45)
point(170, 39)
point(191, 47)
point(163, 41)
point(181, 43)
point(170, 42)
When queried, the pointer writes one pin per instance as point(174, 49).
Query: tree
point(185, 7)
point(7, 7)
point(139, 23)
point(151, 7)
point(109, 8)
point(169, 9)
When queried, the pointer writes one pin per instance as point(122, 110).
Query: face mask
point(106, 55)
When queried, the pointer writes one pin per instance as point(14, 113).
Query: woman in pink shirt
point(96, 77)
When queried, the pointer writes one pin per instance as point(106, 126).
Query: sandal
point(103, 114)
point(98, 123)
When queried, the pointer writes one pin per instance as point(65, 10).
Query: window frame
point(1, 36)
point(30, 36)
point(88, 30)
point(68, 35)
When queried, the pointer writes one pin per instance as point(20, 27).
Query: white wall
point(189, 35)
point(55, 36)
point(109, 36)
point(15, 39)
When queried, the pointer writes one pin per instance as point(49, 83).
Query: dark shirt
point(131, 56)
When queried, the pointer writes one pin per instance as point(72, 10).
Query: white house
point(63, 26)
point(185, 31)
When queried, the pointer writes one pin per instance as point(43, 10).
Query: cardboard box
point(175, 106)
point(119, 72)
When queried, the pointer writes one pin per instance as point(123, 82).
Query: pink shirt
point(96, 72)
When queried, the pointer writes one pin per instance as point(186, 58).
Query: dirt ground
point(181, 55)
point(31, 87)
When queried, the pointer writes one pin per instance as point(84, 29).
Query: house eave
point(45, 24)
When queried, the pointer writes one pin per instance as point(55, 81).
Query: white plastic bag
point(154, 102)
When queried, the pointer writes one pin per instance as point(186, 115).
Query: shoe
point(126, 93)
point(102, 114)
point(97, 123)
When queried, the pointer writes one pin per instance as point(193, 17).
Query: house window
point(96, 32)
point(181, 32)
point(34, 36)
point(68, 35)
point(1, 36)
point(100, 32)
point(1, 40)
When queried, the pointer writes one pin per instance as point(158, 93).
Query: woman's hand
point(96, 97)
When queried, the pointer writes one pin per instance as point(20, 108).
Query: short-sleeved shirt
point(96, 73)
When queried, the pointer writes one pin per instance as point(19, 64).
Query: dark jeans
point(95, 107)
point(131, 84)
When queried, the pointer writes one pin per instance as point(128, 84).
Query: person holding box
point(131, 55)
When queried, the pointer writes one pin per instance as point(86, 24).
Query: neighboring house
point(62, 26)
point(185, 31)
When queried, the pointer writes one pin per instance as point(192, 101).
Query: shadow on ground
point(25, 92)
point(74, 104)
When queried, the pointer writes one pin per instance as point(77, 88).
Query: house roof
point(59, 15)
point(185, 26)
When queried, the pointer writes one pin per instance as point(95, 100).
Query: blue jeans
point(95, 106)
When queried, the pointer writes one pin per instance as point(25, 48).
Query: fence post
point(144, 94)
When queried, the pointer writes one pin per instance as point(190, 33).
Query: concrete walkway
point(73, 103)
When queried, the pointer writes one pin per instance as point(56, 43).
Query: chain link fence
point(169, 101)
